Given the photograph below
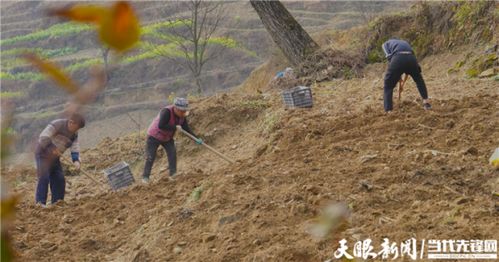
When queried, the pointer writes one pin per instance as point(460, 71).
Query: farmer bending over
point(58, 136)
point(401, 60)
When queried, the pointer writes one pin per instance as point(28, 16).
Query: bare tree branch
point(191, 32)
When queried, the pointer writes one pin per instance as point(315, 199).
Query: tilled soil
point(412, 173)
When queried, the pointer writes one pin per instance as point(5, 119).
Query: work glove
point(179, 127)
point(199, 141)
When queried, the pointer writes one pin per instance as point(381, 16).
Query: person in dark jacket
point(161, 132)
point(54, 140)
point(401, 60)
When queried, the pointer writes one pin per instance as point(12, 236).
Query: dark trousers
point(152, 145)
point(49, 171)
point(399, 65)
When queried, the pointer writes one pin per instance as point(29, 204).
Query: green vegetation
point(64, 30)
point(16, 51)
point(375, 56)
point(459, 64)
point(4, 75)
point(170, 49)
point(7, 94)
point(383, 28)
point(347, 72)
point(153, 51)
point(8, 64)
point(49, 53)
point(231, 43)
point(270, 122)
point(456, 67)
point(471, 21)
point(32, 76)
point(433, 27)
point(22, 76)
point(421, 42)
point(481, 63)
point(10, 59)
point(224, 41)
point(45, 53)
point(472, 72)
point(84, 63)
point(196, 194)
point(56, 30)
point(70, 28)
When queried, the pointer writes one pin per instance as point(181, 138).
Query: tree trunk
point(198, 84)
point(286, 32)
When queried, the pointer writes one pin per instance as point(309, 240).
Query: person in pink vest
point(161, 132)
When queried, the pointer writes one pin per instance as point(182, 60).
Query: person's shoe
point(145, 180)
point(172, 177)
point(41, 205)
point(427, 106)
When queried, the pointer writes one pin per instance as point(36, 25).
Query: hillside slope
point(413, 173)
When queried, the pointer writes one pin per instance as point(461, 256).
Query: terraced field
point(142, 75)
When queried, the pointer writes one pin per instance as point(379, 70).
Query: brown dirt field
point(428, 170)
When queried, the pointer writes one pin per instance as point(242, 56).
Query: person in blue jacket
point(401, 60)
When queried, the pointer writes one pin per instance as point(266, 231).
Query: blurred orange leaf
point(83, 13)
point(7, 207)
point(118, 25)
point(81, 95)
point(121, 30)
point(91, 89)
point(88, 92)
point(54, 72)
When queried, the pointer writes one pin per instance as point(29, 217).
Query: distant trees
point(192, 33)
point(287, 33)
